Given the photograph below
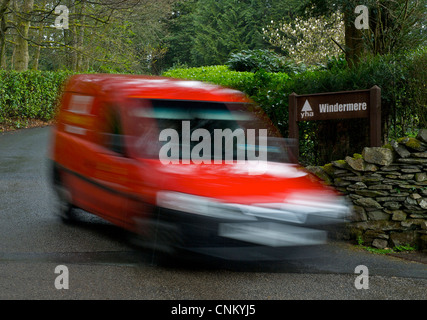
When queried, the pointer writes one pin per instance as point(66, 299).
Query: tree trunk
point(21, 54)
point(80, 38)
point(3, 27)
point(2, 47)
point(36, 57)
point(354, 46)
point(70, 39)
point(74, 49)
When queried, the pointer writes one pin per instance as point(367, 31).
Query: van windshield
point(201, 132)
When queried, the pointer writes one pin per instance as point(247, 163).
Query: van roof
point(151, 87)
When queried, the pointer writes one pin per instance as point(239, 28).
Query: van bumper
point(173, 231)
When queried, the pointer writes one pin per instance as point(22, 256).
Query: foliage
point(180, 34)
point(224, 26)
point(30, 94)
point(309, 40)
point(416, 87)
point(141, 36)
point(220, 75)
point(394, 26)
point(255, 60)
point(206, 32)
point(396, 249)
point(102, 36)
point(335, 63)
point(402, 78)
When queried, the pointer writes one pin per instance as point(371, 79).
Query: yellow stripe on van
point(77, 119)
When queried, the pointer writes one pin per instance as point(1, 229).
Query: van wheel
point(62, 204)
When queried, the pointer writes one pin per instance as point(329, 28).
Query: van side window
point(112, 133)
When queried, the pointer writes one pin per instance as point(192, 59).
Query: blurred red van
point(161, 158)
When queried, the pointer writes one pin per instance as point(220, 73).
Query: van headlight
point(326, 205)
point(200, 205)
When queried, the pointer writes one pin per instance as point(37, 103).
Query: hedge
point(30, 94)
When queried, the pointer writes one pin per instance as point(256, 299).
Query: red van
point(184, 165)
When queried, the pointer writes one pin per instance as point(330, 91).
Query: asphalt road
point(102, 265)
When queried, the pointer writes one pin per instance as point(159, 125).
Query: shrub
point(220, 75)
point(256, 60)
point(29, 94)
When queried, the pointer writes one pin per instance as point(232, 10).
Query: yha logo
point(306, 111)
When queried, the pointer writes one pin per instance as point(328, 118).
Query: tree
point(148, 28)
point(181, 31)
point(99, 35)
point(23, 25)
point(4, 6)
point(223, 27)
point(309, 40)
point(394, 25)
point(206, 32)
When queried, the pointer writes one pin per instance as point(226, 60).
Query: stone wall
point(387, 187)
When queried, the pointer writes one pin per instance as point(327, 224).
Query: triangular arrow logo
point(306, 107)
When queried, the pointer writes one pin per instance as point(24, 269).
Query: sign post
point(337, 105)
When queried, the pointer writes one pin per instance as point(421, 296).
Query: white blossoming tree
point(308, 40)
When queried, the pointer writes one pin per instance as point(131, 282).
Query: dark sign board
point(337, 105)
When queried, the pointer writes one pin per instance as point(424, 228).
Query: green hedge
point(30, 94)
